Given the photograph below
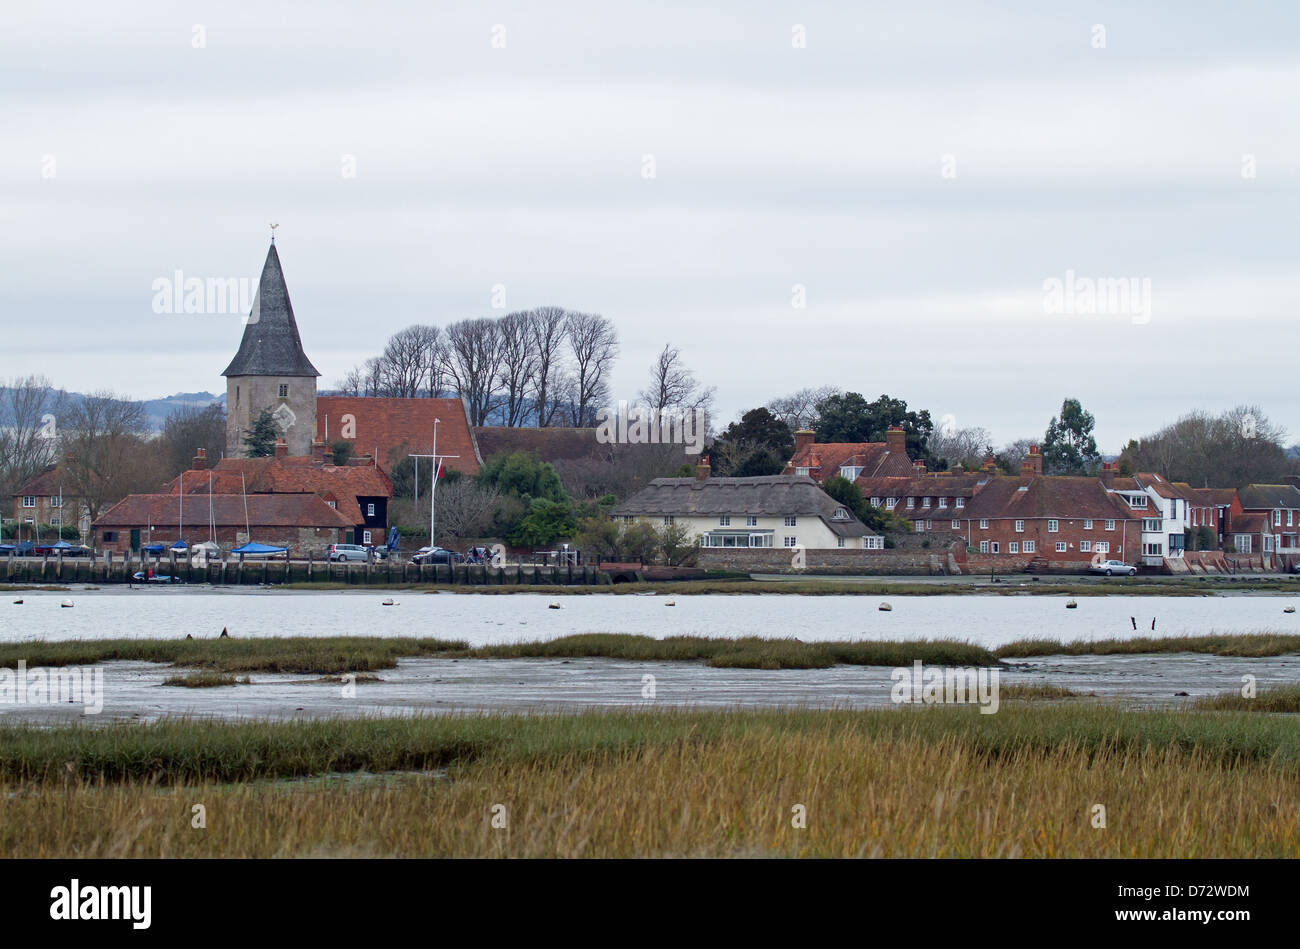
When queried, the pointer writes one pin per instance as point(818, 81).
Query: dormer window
point(943, 502)
point(961, 502)
point(911, 503)
point(801, 472)
point(841, 514)
point(850, 471)
point(925, 502)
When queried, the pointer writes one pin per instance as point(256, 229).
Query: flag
point(439, 474)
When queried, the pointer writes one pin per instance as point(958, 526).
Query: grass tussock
point(936, 782)
point(205, 680)
point(300, 654)
point(1250, 645)
point(1280, 699)
point(744, 653)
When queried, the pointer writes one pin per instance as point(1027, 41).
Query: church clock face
point(284, 417)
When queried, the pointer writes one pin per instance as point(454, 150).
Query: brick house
point(390, 429)
point(1279, 505)
point(301, 522)
point(851, 460)
point(359, 491)
point(43, 500)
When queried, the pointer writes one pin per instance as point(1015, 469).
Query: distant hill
point(155, 410)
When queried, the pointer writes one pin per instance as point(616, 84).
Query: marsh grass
point(1032, 691)
point(334, 655)
point(925, 782)
point(1250, 645)
point(1280, 699)
point(205, 680)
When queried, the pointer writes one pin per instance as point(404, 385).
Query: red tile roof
point(824, 460)
point(264, 510)
point(396, 427)
point(344, 483)
point(47, 484)
point(1046, 496)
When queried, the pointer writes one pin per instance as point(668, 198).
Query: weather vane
point(273, 227)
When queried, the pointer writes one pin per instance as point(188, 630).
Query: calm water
point(482, 619)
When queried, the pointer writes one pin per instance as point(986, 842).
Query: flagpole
point(433, 489)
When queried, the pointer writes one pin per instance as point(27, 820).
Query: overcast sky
point(921, 169)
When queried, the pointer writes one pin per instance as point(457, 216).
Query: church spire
point(271, 345)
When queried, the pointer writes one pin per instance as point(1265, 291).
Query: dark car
point(436, 555)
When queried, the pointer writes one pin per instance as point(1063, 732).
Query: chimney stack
point(803, 439)
point(200, 460)
point(896, 440)
point(918, 467)
point(702, 468)
point(1035, 460)
point(281, 448)
point(1108, 471)
point(989, 464)
point(322, 453)
point(360, 461)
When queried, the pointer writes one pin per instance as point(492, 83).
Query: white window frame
point(1085, 546)
point(724, 520)
point(1061, 547)
point(1020, 527)
point(984, 546)
point(29, 500)
point(1028, 546)
point(1053, 525)
point(1087, 523)
point(1110, 524)
point(751, 521)
point(984, 523)
point(791, 520)
point(1013, 547)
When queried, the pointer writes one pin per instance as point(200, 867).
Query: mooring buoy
point(65, 604)
point(884, 607)
point(1071, 605)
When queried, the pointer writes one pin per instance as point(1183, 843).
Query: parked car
point(345, 552)
point(436, 555)
point(1112, 567)
point(478, 555)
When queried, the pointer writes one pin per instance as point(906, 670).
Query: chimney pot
point(703, 468)
point(200, 459)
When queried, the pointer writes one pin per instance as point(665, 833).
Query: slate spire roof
point(271, 345)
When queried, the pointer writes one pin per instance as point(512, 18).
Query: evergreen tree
point(1068, 446)
point(259, 441)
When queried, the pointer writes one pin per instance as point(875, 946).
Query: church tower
point(271, 371)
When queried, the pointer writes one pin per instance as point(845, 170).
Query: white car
point(1112, 567)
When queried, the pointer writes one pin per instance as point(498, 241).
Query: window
point(841, 514)
point(1151, 525)
point(1103, 546)
point(791, 541)
point(56, 521)
point(929, 524)
point(960, 503)
point(839, 541)
point(1087, 524)
point(1242, 543)
point(1020, 527)
point(920, 525)
point(956, 524)
point(984, 546)
point(370, 510)
point(925, 502)
point(29, 501)
point(875, 502)
point(873, 543)
point(29, 520)
point(850, 472)
point(724, 521)
point(891, 503)
point(1277, 518)
point(751, 521)
point(333, 504)
point(1060, 546)
point(1029, 546)
point(943, 502)
point(110, 536)
point(994, 547)
point(911, 503)
point(57, 501)
point(1013, 548)
point(1110, 525)
point(801, 472)
point(1086, 546)
point(365, 537)
point(984, 523)
point(668, 520)
point(1053, 526)
point(791, 520)
point(284, 392)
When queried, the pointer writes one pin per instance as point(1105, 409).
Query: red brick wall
point(1125, 539)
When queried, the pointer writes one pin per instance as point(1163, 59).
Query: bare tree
point(593, 345)
point(408, 363)
point(965, 446)
point(185, 431)
point(518, 367)
point(103, 437)
point(471, 360)
point(29, 413)
point(547, 330)
point(673, 386)
point(799, 409)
